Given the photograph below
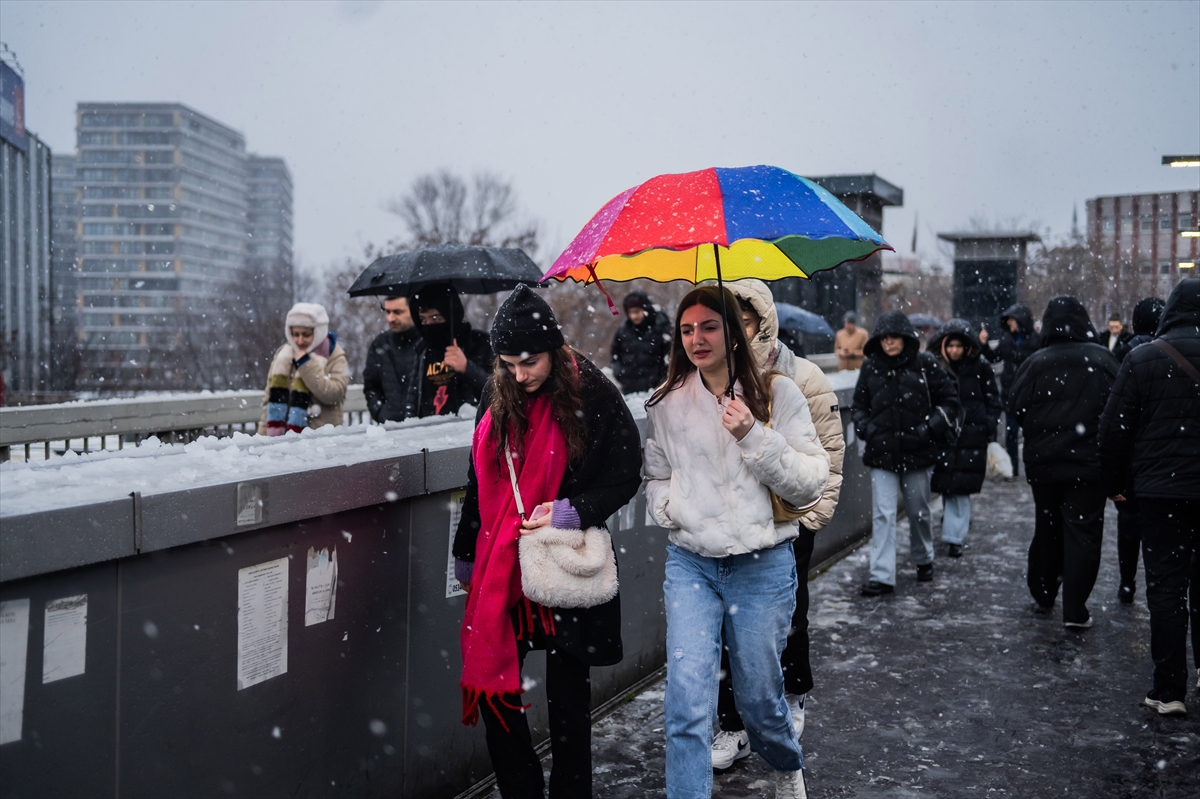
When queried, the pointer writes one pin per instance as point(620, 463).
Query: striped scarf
point(287, 396)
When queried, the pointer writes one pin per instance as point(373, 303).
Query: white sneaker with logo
point(795, 703)
point(729, 747)
point(790, 785)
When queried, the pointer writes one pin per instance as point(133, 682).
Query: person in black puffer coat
point(904, 405)
point(1018, 341)
point(1150, 445)
point(641, 345)
point(961, 467)
point(1146, 315)
point(390, 374)
point(1057, 397)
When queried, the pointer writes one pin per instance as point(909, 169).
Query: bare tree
point(441, 208)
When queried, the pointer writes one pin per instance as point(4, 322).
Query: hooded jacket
point(711, 491)
point(438, 389)
point(1058, 394)
point(1014, 348)
point(1146, 315)
point(903, 405)
point(771, 353)
point(1150, 431)
point(640, 352)
point(960, 468)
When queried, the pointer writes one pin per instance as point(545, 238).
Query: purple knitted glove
point(463, 569)
point(563, 516)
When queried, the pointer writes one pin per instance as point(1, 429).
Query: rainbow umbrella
point(723, 224)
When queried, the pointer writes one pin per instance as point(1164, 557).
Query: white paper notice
point(65, 650)
point(262, 622)
point(14, 643)
point(320, 586)
point(453, 588)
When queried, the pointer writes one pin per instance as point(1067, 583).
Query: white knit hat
point(308, 314)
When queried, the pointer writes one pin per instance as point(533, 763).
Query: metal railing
point(47, 430)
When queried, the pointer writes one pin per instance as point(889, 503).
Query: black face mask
point(437, 337)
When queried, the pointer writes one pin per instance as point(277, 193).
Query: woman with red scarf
point(577, 454)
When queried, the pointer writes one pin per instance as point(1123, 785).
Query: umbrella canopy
point(923, 320)
point(468, 269)
point(794, 318)
point(761, 221)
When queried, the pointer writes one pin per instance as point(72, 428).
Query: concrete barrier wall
point(369, 704)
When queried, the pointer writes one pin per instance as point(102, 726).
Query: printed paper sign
point(262, 622)
point(320, 586)
point(249, 504)
point(453, 588)
point(65, 652)
point(14, 645)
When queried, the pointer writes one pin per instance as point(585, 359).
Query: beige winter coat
point(771, 353)
point(325, 378)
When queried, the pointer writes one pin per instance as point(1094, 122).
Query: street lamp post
point(1184, 161)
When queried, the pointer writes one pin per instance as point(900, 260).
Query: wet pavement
point(956, 688)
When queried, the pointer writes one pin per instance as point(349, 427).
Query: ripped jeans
point(753, 595)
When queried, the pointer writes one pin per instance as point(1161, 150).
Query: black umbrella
point(468, 269)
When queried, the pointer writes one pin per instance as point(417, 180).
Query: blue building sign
point(12, 107)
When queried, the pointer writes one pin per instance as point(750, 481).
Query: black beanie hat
point(525, 325)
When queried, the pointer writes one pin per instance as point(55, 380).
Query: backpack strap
point(1177, 356)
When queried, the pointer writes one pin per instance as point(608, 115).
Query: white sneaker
point(790, 785)
point(795, 703)
point(728, 747)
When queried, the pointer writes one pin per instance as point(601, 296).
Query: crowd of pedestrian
point(742, 466)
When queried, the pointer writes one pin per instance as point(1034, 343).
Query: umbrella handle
point(724, 322)
point(611, 305)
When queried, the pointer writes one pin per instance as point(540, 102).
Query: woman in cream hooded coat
point(761, 324)
point(711, 464)
point(306, 384)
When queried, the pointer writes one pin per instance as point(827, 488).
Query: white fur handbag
point(565, 568)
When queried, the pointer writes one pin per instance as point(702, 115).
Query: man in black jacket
point(641, 345)
point(1018, 341)
point(905, 405)
point(1150, 444)
point(391, 366)
point(1057, 396)
point(455, 363)
point(1146, 315)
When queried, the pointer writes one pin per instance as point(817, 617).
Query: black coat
point(903, 405)
point(598, 486)
point(390, 374)
point(640, 352)
point(1150, 430)
point(1058, 395)
point(1146, 316)
point(961, 467)
point(1122, 339)
point(1014, 348)
point(431, 374)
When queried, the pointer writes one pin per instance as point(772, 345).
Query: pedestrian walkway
point(956, 688)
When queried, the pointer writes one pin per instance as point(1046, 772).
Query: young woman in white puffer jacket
point(711, 464)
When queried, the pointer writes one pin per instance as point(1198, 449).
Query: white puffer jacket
point(709, 489)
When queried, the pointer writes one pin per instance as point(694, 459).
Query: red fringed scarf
point(489, 645)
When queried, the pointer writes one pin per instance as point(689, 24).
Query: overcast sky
point(1002, 111)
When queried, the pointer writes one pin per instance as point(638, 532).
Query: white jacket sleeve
point(657, 469)
point(788, 457)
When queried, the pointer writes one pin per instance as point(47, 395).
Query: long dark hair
point(562, 386)
point(755, 391)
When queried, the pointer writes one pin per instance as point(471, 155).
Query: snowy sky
point(1003, 111)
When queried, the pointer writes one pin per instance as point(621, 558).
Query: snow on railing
point(45, 430)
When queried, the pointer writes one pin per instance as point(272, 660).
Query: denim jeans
point(753, 596)
point(886, 488)
point(1012, 440)
point(956, 517)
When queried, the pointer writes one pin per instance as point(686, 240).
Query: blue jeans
point(885, 497)
point(956, 518)
point(753, 596)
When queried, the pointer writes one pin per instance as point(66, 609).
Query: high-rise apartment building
point(64, 299)
point(25, 278)
point(1140, 239)
point(164, 244)
point(269, 259)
